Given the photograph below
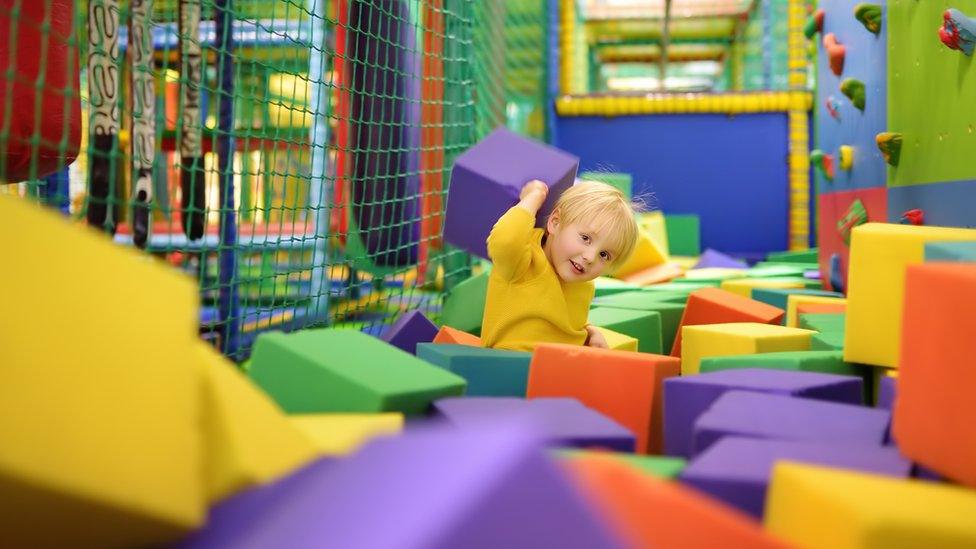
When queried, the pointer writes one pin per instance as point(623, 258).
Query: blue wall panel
point(730, 170)
point(950, 204)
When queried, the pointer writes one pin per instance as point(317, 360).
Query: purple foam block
point(712, 258)
point(886, 392)
point(486, 181)
point(737, 470)
point(434, 488)
point(761, 415)
point(409, 330)
point(564, 422)
point(686, 398)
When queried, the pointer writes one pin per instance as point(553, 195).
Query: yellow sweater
point(527, 302)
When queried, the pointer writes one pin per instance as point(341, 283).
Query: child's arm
point(533, 194)
point(594, 337)
point(509, 244)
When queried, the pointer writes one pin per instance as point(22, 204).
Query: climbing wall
point(931, 93)
point(848, 51)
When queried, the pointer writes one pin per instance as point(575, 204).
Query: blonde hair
point(605, 209)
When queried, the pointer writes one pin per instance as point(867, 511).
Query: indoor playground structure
point(246, 269)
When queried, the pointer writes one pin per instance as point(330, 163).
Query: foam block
point(935, 412)
point(684, 234)
point(488, 372)
point(799, 256)
point(100, 389)
point(714, 274)
point(824, 362)
point(715, 306)
point(486, 181)
point(623, 386)
point(737, 470)
point(681, 517)
point(562, 422)
point(409, 330)
point(329, 370)
point(655, 275)
point(715, 258)
point(880, 252)
point(617, 341)
point(646, 254)
point(743, 338)
point(950, 251)
point(645, 326)
point(464, 306)
point(662, 303)
point(658, 466)
point(777, 297)
point(827, 341)
point(655, 225)
point(745, 286)
point(341, 434)
point(795, 300)
point(686, 398)
point(249, 440)
point(812, 506)
point(622, 181)
point(819, 308)
point(887, 387)
point(604, 286)
point(777, 270)
point(762, 415)
point(434, 487)
point(448, 334)
point(824, 322)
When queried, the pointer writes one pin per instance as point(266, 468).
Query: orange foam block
point(820, 308)
point(716, 306)
point(453, 335)
point(650, 512)
point(935, 412)
point(624, 386)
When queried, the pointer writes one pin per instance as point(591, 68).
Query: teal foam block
point(950, 251)
point(777, 297)
point(489, 372)
point(652, 301)
point(645, 326)
point(464, 306)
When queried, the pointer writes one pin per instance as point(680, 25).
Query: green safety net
point(293, 156)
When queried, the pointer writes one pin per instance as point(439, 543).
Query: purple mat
point(686, 398)
point(737, 470)
point(409, 330)
point(761, 415)
point(713, 258)
point(486, 181)
point(432, 488)
point(564, 422)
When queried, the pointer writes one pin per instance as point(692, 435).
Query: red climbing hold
point(913, 217)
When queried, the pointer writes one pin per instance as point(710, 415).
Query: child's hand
point(595, 338)
point(534, 187)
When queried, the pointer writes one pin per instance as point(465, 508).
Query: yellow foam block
point(340, 434)
point(653, 223)
point(738, 338)
point(100, 402)
point(684, 261)
point(715, 273)
point(618, 341)
point(795, 300)
point(646, 254)
point(744, 286)
point(876, 286)
point(814, 506)
point(249, 439)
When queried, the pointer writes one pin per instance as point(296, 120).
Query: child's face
point(577, 252)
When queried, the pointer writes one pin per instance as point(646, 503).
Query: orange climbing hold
point(835, 53)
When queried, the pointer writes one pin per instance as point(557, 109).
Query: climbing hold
point(814, 24)
point(958, 32)
point(824, 163)
point(846, 157)
point(869, 15)
point(835, 53)
point(890, 145)
point(913, 217)
point(833, 107)
point(834, 274)
point(855, 215)
point(854, 90)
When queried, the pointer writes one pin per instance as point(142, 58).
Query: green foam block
point(823, 322)
point(775, 271)
point(652, 301)
point(827, 341)
point(464, 306)
point(645, 326)
point(489, 372)
point(684, 234)
point(605, 285)
point(827, 362)
point(622, 181)
point(330, 370)
point(686, 286)
point(804, 266)
point(802, 256)
point(657, 466)
point(950, 251)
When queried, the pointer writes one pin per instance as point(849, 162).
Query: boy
point(541, 285)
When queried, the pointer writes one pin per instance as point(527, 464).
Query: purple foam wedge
point(887, 387)
point(431, 488)
point(761, 415)
point(564, 422)
point(486, 181)
point(737, 470)
point(713, 258)
point(686, 398)
point(409, 330)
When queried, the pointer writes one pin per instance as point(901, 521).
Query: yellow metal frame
point(796, 103)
